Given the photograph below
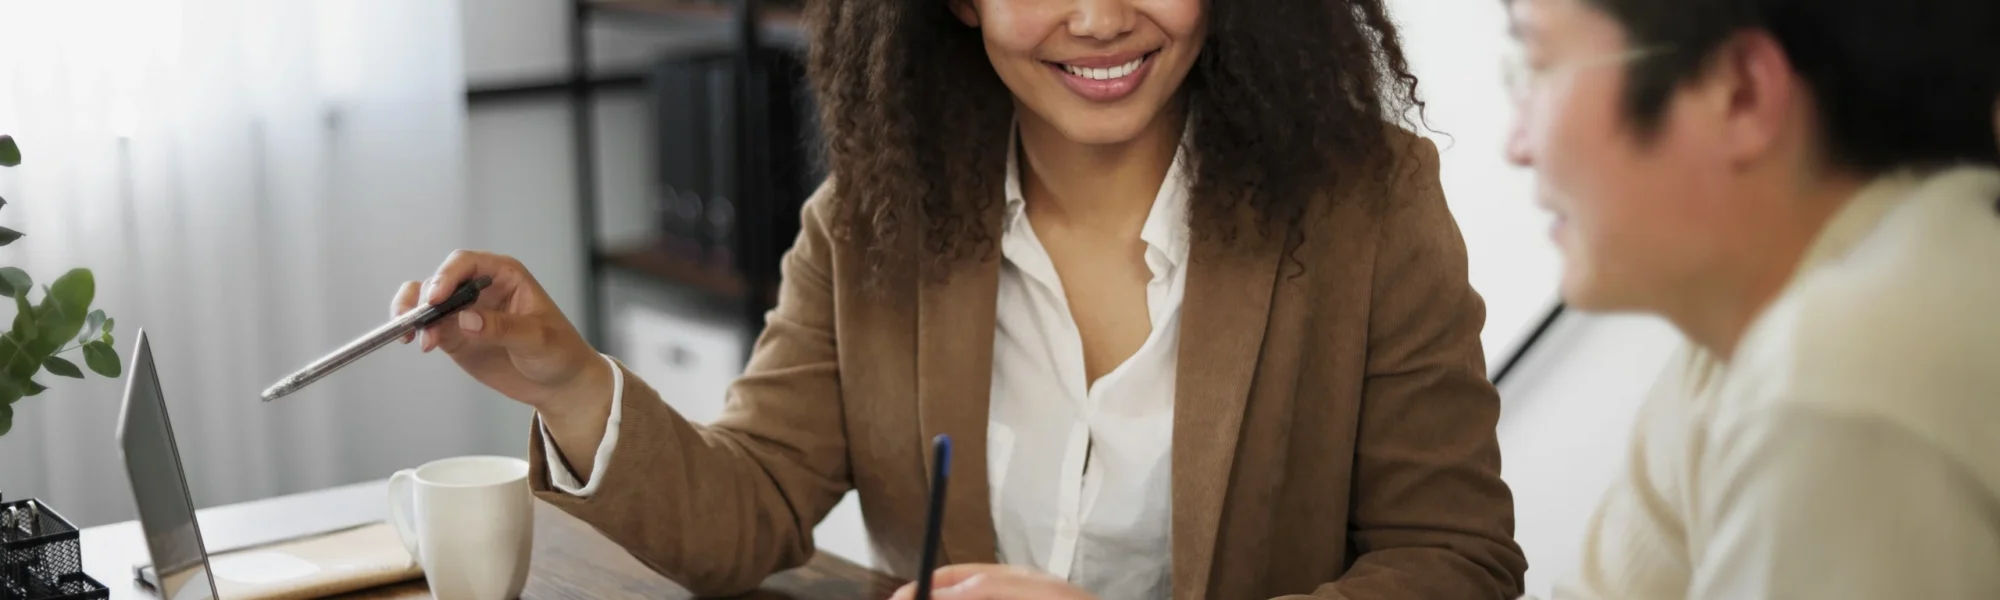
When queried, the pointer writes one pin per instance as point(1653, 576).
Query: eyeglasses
point(1522, 79)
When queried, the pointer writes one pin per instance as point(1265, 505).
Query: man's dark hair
point(1897, 82)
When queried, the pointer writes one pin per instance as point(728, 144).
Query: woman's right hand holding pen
point(516, 341)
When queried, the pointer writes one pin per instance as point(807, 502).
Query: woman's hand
point(513, 339)
point(995, 582)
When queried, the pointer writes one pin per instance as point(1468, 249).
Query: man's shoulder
point(1919, 290)
point(1905, 324)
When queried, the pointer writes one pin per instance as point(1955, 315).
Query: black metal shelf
point(748, 31)
point(532, 89)
point(777, 25)
point(655, 260)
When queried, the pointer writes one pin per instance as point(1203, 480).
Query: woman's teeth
point(1107, 73)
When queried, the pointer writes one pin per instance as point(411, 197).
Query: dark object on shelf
point(757, 180)
point(697, 138)
point(41, 557)
point(690, 95)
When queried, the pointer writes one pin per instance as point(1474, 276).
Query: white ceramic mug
point(469, 521)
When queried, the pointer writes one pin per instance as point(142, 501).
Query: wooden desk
point(571, 560)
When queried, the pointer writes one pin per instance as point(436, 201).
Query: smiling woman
point(1193, 309)
point(1283, 97)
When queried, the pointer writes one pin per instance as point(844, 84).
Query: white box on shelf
point(690, 362)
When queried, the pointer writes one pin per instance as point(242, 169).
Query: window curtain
point(248, 180)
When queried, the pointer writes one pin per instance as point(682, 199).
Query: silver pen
point(396, 328)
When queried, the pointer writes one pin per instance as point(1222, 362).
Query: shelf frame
point(753, 286)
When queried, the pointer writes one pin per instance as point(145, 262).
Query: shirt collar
point(1870, 205)
point(1166, 229)
point(1849, 227)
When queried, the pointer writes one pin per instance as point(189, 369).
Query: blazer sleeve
point(1430, 516)
point(719, 507)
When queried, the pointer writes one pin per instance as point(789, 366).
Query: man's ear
point(967, 13)
point(1996, 121)
point(1763, 95)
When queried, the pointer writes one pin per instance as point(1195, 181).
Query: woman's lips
point(1102, 80)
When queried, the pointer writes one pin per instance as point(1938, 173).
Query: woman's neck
point(1109, 186)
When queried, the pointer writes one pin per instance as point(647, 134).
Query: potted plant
point(39, 556)
point(44, 330)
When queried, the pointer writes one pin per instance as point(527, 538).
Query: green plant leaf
point(108, 322)
point(12, 355)
point(62, 366)
point(6, 418)
point(74, 290)
point(24, 320)
point(62, 311)
point(9, 391)
point(10, 153)
point(93, 325)
point(14, 281)
point(102, 358)
point(35, 389)
point(17, 361)
point(7, 236)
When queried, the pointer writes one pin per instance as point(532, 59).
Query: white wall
point(1566, 414)
point(1454, 47)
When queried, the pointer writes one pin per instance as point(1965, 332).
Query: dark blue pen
point(934, 523)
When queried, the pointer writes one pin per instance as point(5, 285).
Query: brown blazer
point(1333, 428)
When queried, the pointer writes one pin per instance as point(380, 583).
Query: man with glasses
point(1809, 190)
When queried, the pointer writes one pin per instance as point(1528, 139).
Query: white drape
point(248, 179)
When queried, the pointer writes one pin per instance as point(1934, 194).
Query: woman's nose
point(1101, 19)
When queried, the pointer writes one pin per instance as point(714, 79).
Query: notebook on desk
point(324, 564)
point(317, 565)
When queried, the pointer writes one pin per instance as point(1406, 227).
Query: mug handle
point(402, 503)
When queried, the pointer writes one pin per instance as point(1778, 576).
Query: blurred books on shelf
point(700, 220)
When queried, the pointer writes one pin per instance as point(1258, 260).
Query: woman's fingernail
point(963, 586)
point(470, 321)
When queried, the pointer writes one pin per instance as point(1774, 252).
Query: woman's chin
point(1095, 128)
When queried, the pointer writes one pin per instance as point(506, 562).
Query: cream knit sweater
point(1852, 447)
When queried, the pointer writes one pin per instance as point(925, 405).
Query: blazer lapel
point(955, 321)
point(1224, 313)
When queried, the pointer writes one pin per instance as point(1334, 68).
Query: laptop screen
point(159, 487)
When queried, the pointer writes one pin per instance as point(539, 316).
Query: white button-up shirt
point(1081, 472)
point(1081, 475)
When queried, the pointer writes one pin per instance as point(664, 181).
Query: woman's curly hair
point(1288, 99)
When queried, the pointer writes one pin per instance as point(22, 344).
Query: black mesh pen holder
point(41, 557)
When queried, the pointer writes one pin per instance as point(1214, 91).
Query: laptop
point(288, 564)
point(180, 568)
